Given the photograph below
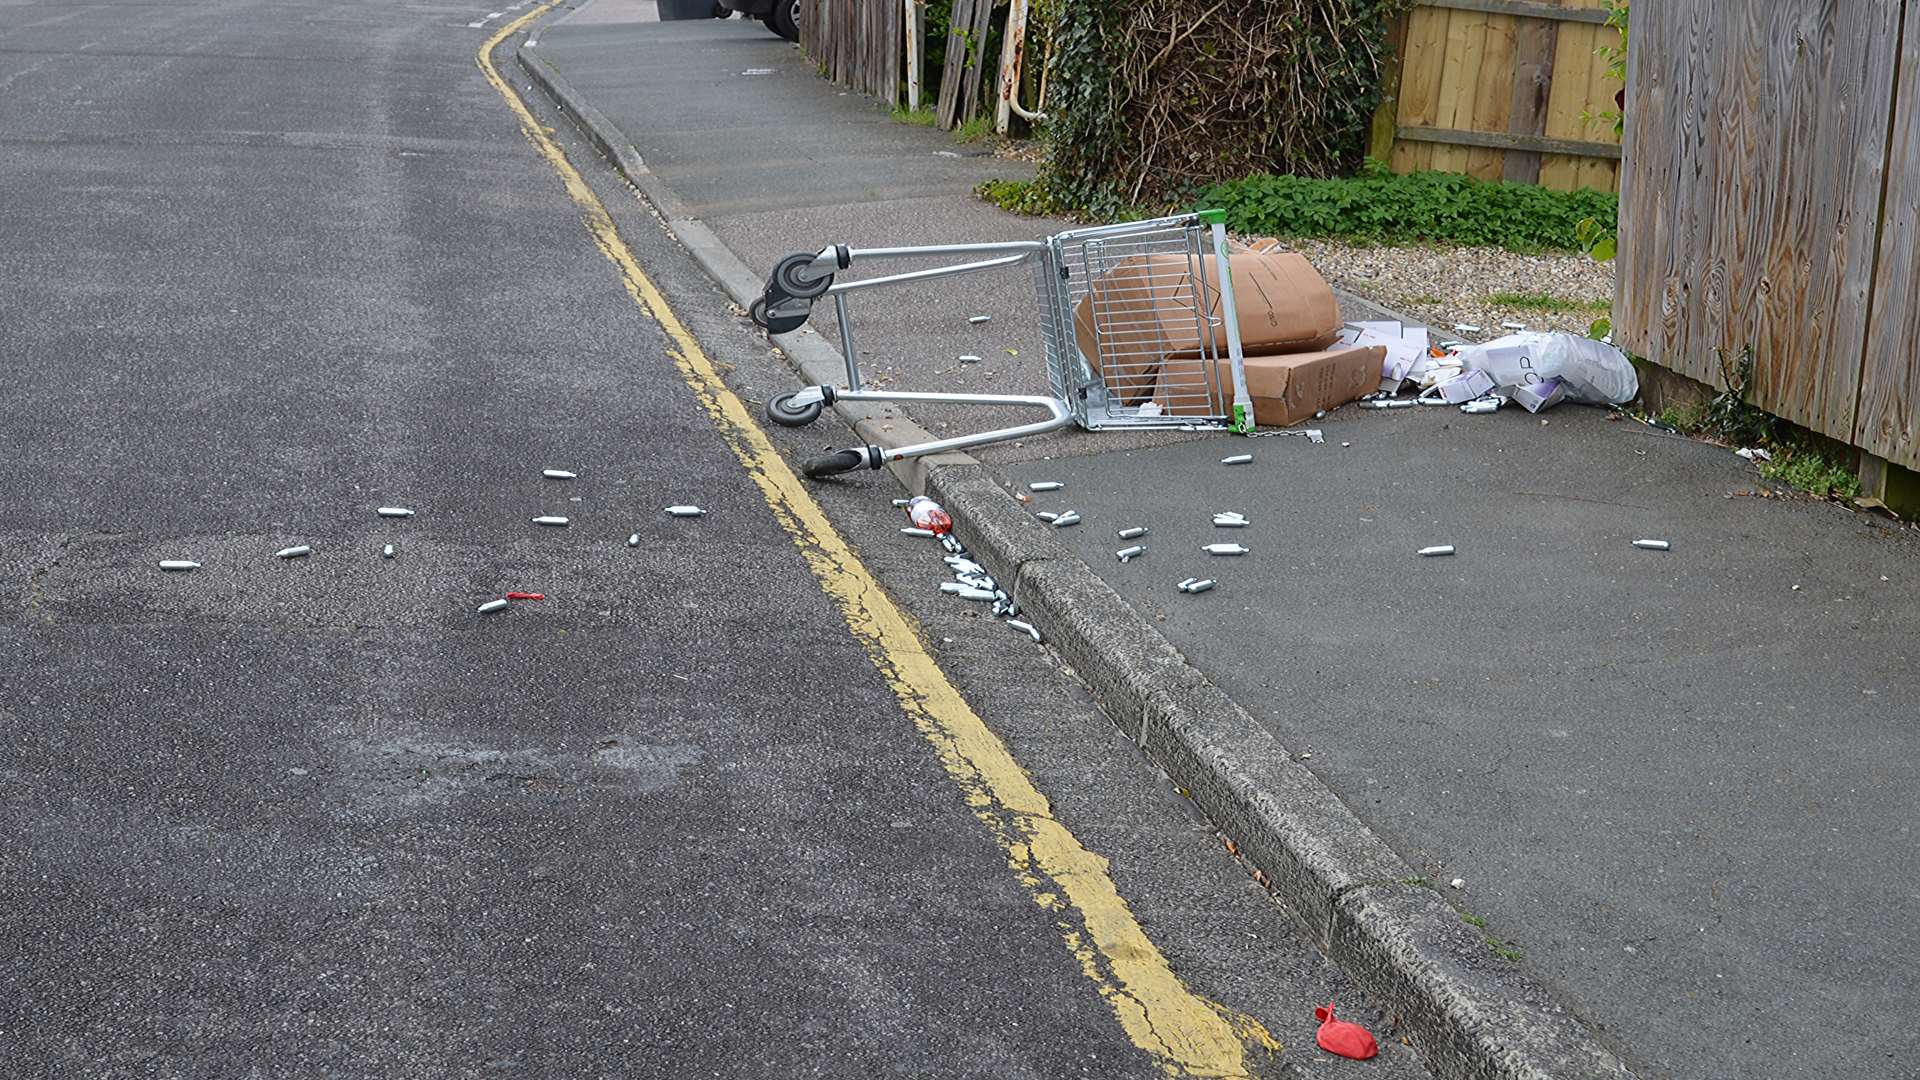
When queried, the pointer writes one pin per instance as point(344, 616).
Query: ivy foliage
point(1388, 208)
point(1153, 99)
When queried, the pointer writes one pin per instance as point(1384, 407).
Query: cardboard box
point(1540, 396)
point(1140, 313)
point(1286, 388)
point(1466, 386)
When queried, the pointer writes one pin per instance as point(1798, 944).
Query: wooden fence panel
point(857, 43)
point(1422, 69)
point(1503, 89)
point(1580, 93)
point(1536, 43)
point(1757, 143)
point(960, 18)
point(1887, 420)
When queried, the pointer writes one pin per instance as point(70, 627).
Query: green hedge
point(1383, 207)
point(1153, 99)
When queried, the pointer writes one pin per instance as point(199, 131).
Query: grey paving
point(1683, 783)
point(1679, 785)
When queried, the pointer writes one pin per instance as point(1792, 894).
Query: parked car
point(781, 16)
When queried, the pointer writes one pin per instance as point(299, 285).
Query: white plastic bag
point(1593, 372)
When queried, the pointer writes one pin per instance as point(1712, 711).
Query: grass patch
point(973, 130)
point(924, 117)
point(1383, 207)
point(1811, 471)
point(1549, 303)
point(1029, 197)
point(1474, 920)
point(1687, 419)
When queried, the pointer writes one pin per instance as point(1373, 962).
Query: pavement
point(272, 267)
point(1677, 788)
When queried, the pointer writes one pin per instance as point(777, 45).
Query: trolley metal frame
point(1138, 291)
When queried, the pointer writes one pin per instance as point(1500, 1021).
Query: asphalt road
point(273, 266)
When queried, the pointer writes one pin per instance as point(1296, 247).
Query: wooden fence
point(1503, 90)
point(1771, 201)
point(872, 46)
point(857, 43)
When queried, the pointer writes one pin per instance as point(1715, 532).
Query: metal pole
point(1013, 47)
point(1243, 420)
point(846, 341)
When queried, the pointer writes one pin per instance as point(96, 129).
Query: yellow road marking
point(1187, 1034)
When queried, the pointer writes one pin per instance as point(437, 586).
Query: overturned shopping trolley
point(1137, 322)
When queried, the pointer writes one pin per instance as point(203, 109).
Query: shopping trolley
point(1137, 322)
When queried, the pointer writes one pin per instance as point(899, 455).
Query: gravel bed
point(1448, 286)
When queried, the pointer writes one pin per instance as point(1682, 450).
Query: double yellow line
point(1186, 1034)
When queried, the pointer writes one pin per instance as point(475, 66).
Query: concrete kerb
point(1471, 1014)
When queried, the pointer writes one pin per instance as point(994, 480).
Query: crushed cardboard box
point(1286, 388)
point(1137, 316)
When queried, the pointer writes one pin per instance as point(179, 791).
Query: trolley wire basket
point(1137, 322)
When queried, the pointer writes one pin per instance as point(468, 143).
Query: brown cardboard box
point(1286, 389)
point(1140, 313)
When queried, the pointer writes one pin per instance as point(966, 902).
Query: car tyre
point(785, 19)
point(675, 10)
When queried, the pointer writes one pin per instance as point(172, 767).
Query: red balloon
point(1340, 1037)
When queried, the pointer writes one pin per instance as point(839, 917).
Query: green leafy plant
point(1598, 238)
point(937, 22)
point(1728, 416)
point(1806, 468)
point(1385, 207)
point(1616, 59)
point(974, 130)
point(1019, 197)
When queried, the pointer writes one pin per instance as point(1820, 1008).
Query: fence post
point(1013, 48)
point(916, 53)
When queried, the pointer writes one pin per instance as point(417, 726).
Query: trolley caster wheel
point(833, 464)
point(782, 411)
point(786, 275)
point(774, 324)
